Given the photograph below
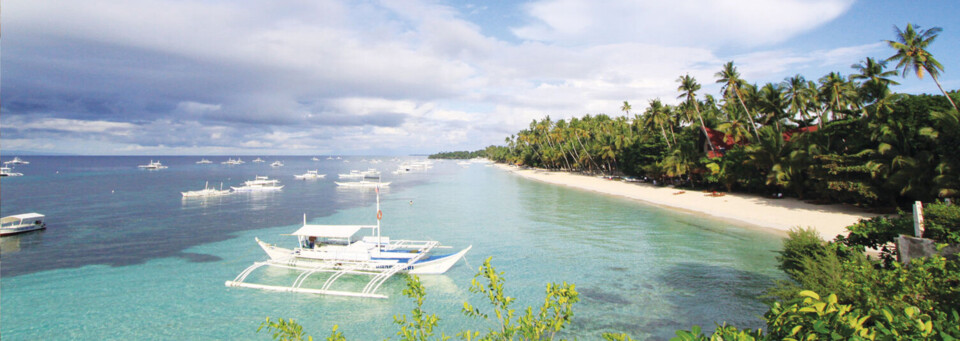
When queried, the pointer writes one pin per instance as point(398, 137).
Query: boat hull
point(431, 266)
point(21, 229)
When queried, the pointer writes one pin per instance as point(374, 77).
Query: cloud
point(683, 23)
point(339, 76)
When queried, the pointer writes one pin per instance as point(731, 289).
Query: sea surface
point(124, 257)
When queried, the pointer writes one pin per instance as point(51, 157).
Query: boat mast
point(379, 215)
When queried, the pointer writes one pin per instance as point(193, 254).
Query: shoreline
point(776, 215)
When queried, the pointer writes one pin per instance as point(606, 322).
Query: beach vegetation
point(841, 138)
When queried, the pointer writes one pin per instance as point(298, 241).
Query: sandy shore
point(777, 214)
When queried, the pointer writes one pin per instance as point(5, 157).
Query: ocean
point(124, 257)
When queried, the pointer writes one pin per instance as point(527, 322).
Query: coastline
point(778, 215)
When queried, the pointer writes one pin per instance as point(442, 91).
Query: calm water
point(125, 257)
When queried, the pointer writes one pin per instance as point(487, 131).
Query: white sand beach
point(777, 214)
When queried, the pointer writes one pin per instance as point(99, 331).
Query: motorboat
point(338, 250)
point(277, 164)
point(259, 184)
point(7, 171)
point(356, 174)
point(207, 191)
point(16, 161)
point(366, 182)
point(21, 223)
point(204, 161)
point(315, 159)
point(258, 160)
point(153, 165)
point(310, 174)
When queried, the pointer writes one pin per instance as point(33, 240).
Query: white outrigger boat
point(310, 174)
point(277, 164)
point(259, 184)
point(362, 183)
point(258, 160)
point(153, 165)
point(20, 223)
point(207, 191)
point(204, 162)
point(6, 171)
point(340, 250)
point(16, 161)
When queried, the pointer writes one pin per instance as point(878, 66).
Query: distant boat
point(355, 174)
point(16, 161)
point(21, 223)
point(232, 162)
point(315, 159)
point(276, 164)
point(207, 191)
point(313, 174)
point(259, 184)
point(204, 161)
point(367, 182)
point(258, 160)
point(329, 157)
point(338, 158)
point(6, 171)
point(153, 165)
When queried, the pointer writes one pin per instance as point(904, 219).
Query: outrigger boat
point(21, 223)
point(340, 250)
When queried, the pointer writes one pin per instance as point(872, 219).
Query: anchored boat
point(338, 250)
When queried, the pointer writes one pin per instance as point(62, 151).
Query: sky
point(397, 77)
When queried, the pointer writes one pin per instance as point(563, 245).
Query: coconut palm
point(875, 84)
point(798, 97)
point(912, 54)
point(688, 89)
point(732, 83)
point(626, 107)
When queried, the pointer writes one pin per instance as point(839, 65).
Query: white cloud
point(687, 22)
point(300, 67)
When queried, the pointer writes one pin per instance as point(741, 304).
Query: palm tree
point(688, 89)
point(659, 117)
point(912, 54)
point(732, 83)
point(626, 107)
point(798, 96)
point(875, 84)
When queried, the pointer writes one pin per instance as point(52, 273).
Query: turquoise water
point(150, 266)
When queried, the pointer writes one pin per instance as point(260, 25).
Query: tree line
point(834, 139)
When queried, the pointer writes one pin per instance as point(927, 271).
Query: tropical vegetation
point(838, 139)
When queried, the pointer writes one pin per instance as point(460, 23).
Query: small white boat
point(6, 171)
point(16, 161)
point(338, 250)
point(21, 223)
point(338, 158)
point(204, 161)
point(355, 174)
point(232, 162)
point(277, 164)
point(153, 165)
point(329, 157)
point(315, 159)
point(207, 191)
point(258, 160)
point(313, 174)
point(259, 184)
point(366, 182)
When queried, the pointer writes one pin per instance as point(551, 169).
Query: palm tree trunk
point(703, 126)
point(664, 132)
point(747, 112)
point(944, 92)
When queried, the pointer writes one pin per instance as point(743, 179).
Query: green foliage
point(286, 330)
point(555, 313)
point(800, 243)
point(421, 325)
point(942, 222)
point(463, 154)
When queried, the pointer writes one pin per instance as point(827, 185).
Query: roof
point(330, 231)
point(24, 216)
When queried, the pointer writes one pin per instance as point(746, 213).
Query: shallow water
point(124, 257)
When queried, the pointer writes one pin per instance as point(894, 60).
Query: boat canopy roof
point(19, 217)
point(331, 231)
